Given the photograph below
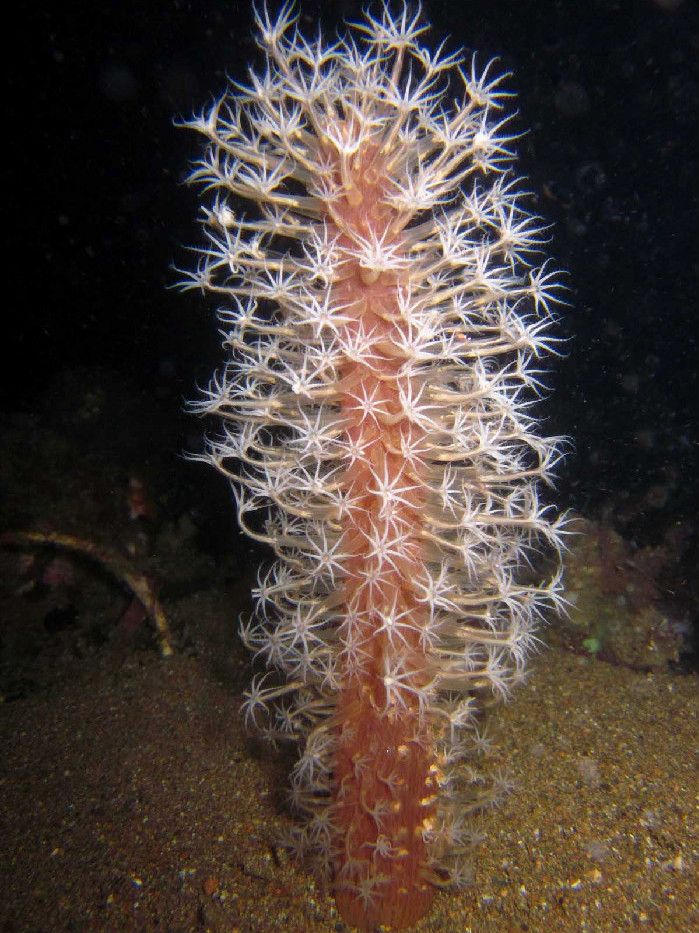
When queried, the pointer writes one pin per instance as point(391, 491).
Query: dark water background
point(608, 93)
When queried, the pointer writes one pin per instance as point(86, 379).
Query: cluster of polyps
point(381, 318)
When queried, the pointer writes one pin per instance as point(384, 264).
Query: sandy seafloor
point(131, 799)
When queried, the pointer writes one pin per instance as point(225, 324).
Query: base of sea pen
point(393, 913)
point(385, 805)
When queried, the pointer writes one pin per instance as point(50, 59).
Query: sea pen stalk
point(382, 318)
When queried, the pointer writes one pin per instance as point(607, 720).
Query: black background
point(607, 92)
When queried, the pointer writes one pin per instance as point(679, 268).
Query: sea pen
point(382, 318)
